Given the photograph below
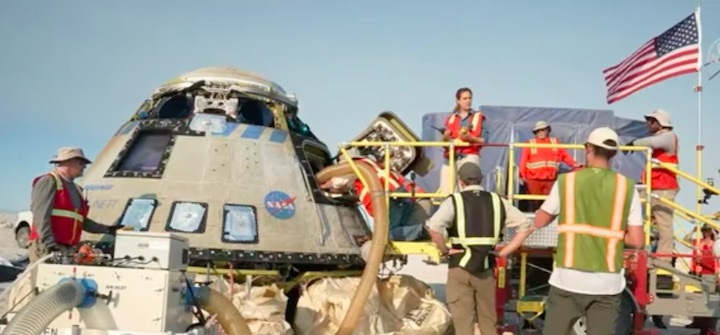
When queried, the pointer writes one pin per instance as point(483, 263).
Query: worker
point(539, 166)
point(474, 220)
point(663, 183)
point(407, 215)
point(464, 126)
point(599, 215)
point(58, 208)
point(59, 216)
point(704, 266)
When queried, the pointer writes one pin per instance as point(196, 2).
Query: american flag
point(673, 53)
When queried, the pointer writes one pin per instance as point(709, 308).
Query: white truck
point(22, 228)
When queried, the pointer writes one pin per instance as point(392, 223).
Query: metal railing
point(683, 212)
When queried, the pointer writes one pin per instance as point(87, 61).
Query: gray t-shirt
point(664, 139)
point(41, 205)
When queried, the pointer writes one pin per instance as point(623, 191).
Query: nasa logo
point(280, 205)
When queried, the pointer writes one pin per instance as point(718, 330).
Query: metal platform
point(546, 237)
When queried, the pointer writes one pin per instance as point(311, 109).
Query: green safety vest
point(594, 207)
point(479, 219)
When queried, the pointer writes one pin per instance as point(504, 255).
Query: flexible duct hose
point(228, 316)
point(28, 270)
point(43, 309)
point(377, 245)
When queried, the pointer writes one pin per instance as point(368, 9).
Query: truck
point(21, 227)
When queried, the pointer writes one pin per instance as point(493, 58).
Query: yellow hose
point(228, 316)
point(377, 244)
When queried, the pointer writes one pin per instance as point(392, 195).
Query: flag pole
point(698, 90)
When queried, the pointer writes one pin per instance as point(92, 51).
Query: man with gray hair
point(473, 220)
point(58, 207)
point(59, 216)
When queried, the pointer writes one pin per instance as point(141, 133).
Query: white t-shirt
point(584, 282)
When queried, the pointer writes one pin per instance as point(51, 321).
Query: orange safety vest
point(453, 124)
point(542, 163)
point(396, 181)
point(706, 262)
point(66, 221)
point(661, 178)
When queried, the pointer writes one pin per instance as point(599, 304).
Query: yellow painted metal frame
point(286, 285)
point(400, 247)
point(429, 249)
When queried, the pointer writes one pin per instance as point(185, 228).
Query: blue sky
point(71, 72)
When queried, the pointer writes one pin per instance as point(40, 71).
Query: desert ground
point(434, 275)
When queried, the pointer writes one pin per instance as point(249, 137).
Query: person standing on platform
point(464, 126)
point(538, 167)
point(663, 182)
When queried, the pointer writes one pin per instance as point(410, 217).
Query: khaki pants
point(565, 308)
point(663, 216)
point(447, 178)
point(470, 297)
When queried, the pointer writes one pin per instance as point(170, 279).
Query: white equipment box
point(141, 300)
point(148, 250)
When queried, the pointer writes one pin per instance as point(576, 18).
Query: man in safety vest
point(407, 215)
point(473, 219)
point(663, 183)
point(58, 207)
point(59, 216)
point(599, 213)
point(463, 126)
point(539, 166)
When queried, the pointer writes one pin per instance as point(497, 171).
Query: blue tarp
point(507, 124)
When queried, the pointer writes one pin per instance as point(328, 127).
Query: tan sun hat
point(68, 153)
point(662, 116)
point(599, 136)
point(540, 125)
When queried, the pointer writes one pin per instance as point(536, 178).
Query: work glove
point(112, 230)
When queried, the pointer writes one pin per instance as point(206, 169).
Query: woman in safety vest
point(705, 264)
point(463, 127)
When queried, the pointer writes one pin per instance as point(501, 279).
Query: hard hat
point(540, 125)
point(662, 116)
point(600, 136)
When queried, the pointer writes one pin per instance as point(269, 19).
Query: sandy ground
point(8, 248)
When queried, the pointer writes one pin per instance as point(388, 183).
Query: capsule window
point(187, 217)
point(239, 224)
point(317, 156)
point(138, 213)
point(147, 153)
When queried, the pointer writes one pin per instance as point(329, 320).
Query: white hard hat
point(662, 116)
point(540, 125)
point(600, 136)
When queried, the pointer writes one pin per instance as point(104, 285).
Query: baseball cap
point(470, 173)
point(604, 137)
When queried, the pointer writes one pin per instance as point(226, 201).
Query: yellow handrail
point(511, 174)
point(511, 177)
